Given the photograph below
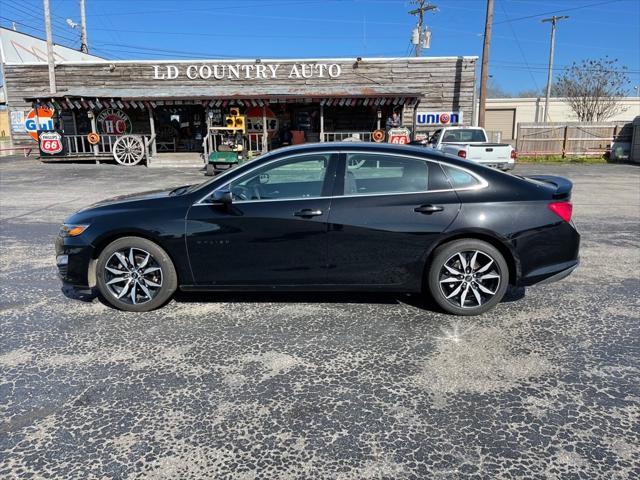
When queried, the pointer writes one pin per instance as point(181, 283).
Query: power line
point(38, 29)
point(515, 37)
point(39, 16)
point(216, 9)
point(202, 34)
point(558, 11)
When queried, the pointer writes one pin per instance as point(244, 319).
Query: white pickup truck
point(472, 143)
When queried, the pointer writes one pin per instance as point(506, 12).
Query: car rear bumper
point(73, 258)
point(547, 254)
point(551, 273)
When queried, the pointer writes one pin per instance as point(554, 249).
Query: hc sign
point(438, 118)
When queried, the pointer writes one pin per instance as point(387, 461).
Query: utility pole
point(422, 7)
point(50, 60)
point(84, 45)
point(484, 72)
point(554, 22)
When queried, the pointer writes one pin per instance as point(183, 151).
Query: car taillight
point(462, 153)
point(562, 209)
point(514, 155)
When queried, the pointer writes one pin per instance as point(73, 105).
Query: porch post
point(265, 135)
point(94, 129)
point(75, 122)
point(322, 121)
point(152, 126)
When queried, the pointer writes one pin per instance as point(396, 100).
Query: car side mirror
point(222, 196)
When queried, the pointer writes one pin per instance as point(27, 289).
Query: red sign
point(254, 120)
point(114, 122)
point(50, 143)
point(400, 136)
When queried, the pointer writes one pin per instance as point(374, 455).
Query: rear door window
point(369, 174)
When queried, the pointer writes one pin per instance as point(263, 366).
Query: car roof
point(419, 151)
point(459, 127)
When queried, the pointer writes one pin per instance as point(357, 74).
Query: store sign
point(247, 71)
point(114, 122)
point(42, 119)
point(399, 136)
point(17, 122)
point(438, 118)
point(51, 143)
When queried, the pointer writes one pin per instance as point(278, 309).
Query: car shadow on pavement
point(287, 297)
point(422, 302)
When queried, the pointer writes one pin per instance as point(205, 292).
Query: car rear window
point(464, 135)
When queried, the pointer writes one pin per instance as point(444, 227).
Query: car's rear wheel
point(135, 274)
point(468, 277)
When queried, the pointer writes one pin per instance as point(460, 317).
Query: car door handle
point(428, 209)
point(308, 212)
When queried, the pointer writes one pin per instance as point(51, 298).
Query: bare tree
point(531, 93)
point(592, 88)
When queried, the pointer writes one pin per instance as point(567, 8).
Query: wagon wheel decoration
point(128, 150)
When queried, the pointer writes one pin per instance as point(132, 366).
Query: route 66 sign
point(50, 143)
point(399, 136)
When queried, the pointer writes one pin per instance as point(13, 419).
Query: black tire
point(479, 281)
point(158, 269)
point(209, 171)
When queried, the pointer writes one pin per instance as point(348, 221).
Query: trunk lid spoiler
point(562, 185)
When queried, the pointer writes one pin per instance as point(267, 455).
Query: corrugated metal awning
point(249, 95)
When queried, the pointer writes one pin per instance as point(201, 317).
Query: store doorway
point(180, 128)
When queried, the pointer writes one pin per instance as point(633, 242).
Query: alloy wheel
point(132, 275)
point(469, 279)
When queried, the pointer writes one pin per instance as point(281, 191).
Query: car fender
point(500, 242)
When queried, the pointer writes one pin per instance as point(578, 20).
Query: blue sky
point(167, 29)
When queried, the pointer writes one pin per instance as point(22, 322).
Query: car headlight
point(72, 230)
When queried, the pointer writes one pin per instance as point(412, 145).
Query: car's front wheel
point(468, 277)
point(135, 274)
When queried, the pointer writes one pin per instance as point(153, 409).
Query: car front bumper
point(73, 257)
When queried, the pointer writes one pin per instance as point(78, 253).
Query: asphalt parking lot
point(316, 386)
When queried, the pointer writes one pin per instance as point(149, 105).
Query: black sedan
point(329, 217)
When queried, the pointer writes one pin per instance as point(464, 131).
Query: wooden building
point(171, 103)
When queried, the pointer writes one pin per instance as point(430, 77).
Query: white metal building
point(504, 114)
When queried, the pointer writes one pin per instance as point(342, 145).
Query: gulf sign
point(42, 121)
point(438, 118)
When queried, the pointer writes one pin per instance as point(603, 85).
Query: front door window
point(292, 178)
